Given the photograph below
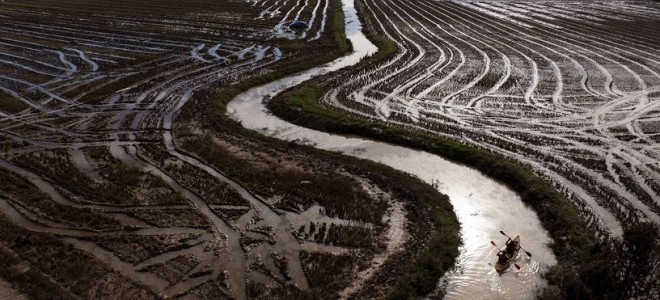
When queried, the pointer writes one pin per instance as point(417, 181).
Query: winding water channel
point(483, 206)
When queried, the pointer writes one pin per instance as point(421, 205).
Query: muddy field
point(118, 177)
point(104, 195)
point(570, 88)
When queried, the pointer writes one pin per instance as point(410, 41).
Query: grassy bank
point(386, 48)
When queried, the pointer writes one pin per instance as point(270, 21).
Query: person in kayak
point(502, 258)
point(511, 247)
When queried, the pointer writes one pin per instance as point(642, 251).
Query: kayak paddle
point(526, 252)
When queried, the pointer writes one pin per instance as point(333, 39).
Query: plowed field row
point(567, 87)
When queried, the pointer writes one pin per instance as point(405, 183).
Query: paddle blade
point(493, 243)
point(528, 254)
point(517, 266)
point(502, 232)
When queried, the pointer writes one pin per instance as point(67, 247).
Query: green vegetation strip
point(436, 258)
point(386, 48)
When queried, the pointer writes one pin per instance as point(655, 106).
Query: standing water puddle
point(483, 206)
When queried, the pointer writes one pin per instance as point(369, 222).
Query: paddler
point(502, 258)
point(511, 247)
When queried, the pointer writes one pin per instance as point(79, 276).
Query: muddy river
point(483, 206)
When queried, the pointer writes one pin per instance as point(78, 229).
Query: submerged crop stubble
point(570, 88)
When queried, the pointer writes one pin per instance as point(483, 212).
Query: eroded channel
point(483, 206)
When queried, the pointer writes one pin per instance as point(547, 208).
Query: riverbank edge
point(573, 242)
point(441, 247)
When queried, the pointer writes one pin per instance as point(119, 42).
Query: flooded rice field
point(123, 176)
point(570, 88)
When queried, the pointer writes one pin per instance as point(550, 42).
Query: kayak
point(500, 268)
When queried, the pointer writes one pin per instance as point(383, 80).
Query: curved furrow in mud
point(312, 19)
point(282, 28)
point(647, 55)
point(511, 44)
point(435, 43)
point(620, 57)
point(282, 233)
point(445, 78)
point(29, 220)
point(289, 12)
point(620, 39)
point(213, 51)
point(181, 72)
point(381, 106)
point(496, 86)
point(437, 84)
point(508, 29)
point(34, 87)
point(96, 33)
point(322, 23)
point(641, 83)
point(359, 95)
point(32, 61)
point(61, 38)
point(600, 49)
point(591, 90)
point(27, 68)
point(91, 63)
